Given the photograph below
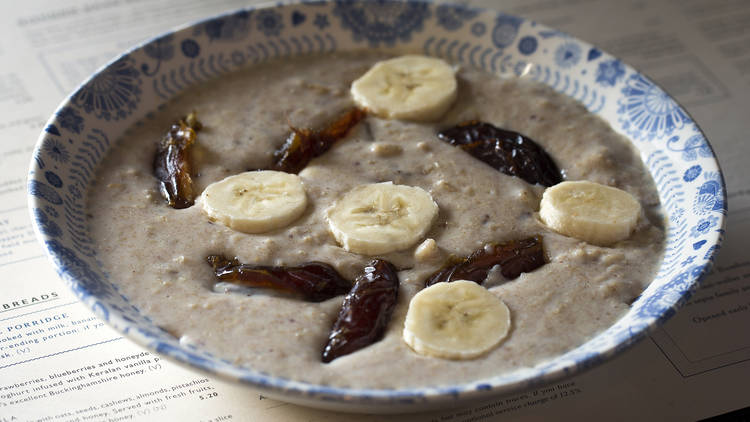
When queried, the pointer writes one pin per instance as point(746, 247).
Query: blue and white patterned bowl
point(129, 88)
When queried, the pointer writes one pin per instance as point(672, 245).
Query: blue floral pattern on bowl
point(112, 94)
point(131, 87)
point(648, 112)
point(69, 119)
point(453, 17)
point(226, 28)
point(56, 150)
point(269, 22)
point(382, 21)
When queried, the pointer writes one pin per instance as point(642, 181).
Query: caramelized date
point(314, 281)
point(365, 312)
point(514, 257)
point(303, 145)
point(172, 162)
point(507, 151)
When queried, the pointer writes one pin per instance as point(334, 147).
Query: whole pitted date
point(366, 311)
point(172, 166)
point(303, 145)
point(314, 281)
point(508, 152)
point(514, 257)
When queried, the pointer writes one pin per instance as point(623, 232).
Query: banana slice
point(594, 213)
point(456, 320)
point(255, 201)
point(412, 87)
point(380, 218)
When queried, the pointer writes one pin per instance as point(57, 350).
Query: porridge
point(157, 255)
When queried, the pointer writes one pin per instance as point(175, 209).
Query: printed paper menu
point(60, 363)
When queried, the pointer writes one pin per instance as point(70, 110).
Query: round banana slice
point(594, 213)
point(412, 87)
point(456, 320)
point(382, 217)
point(255, 201)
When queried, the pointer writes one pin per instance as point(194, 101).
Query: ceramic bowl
point(137, 83)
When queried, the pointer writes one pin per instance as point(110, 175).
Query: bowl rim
point(312, 394)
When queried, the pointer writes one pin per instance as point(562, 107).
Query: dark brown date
point(508, 152)
point(514, 257)
point(303, 145)
point(366, 311)
point(172, 166)
point(314, 281)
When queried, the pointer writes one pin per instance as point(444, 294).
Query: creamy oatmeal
point(157, 255)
